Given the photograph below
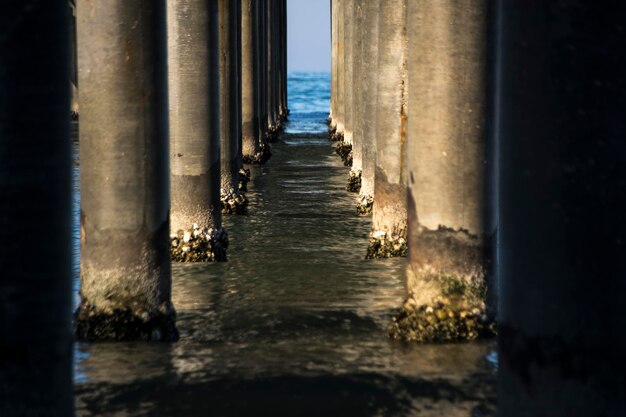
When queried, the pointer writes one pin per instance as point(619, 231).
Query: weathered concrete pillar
point(251, 149)
point(262, 45)
point(561, 99)
point(388, 236)
point(272, 121)
point(344, 147)
point(244, 173)
point(194, 100)
point(337, 134)
point(35, 211)
point(447, 166)
point(233, 202)
point(332, 122)
point(369, 100)
point(261, 74)
point(285, 78)
point(354, 178)
point(125, 264)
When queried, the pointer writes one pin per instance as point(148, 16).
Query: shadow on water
point(295, 322)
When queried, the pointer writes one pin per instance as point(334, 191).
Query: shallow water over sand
point(295, 322)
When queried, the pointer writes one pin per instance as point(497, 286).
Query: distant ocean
point(309, 102)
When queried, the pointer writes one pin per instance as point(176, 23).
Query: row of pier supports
point(491, 144)
point(167, 93)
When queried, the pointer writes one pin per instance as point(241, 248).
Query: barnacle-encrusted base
point(199, 244)
point(354, 181)
point(233, 202)
point(244, 179)
point(344, 150)
point(259, 158)
point(364, 204)
point(454, 316)
point(132, 322)
point(387, 245)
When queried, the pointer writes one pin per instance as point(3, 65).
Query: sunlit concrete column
point(35, 211)
point(124, 215)
point(561, 77)
point(233, 202)
point(244, 173)
point(250, 118)
point(337, 134)
point(447, 168)
point(332, 122)
point(344, 147)
point(354, 177)
point(369, 100)
point(194, 101)
point(388, 236)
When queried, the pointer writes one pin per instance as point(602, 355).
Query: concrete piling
point(194, 101)
point(125, 262)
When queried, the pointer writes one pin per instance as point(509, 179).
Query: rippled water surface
point(295, 322)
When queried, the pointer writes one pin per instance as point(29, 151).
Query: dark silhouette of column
point(35, 210)
point(125, 263)
point(561, 100)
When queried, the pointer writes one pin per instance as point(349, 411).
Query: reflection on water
point(294, 323)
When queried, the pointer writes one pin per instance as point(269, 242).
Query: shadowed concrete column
point(447, 168)
point(337, 134)
point(233, 202)
point(35, 211)
point(344, 147)
point(354, 178)
point(369, 100)
point(285, 106)
point(388, 236)
point(194, 99)
point(332, 122)
point(562, 99)
point(272, 121)
point(73, 60)
point(125, 263)
point(260, 45)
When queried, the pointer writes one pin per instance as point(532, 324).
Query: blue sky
point(308, 34)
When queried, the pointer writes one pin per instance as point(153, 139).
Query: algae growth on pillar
point(125, 272)
point(388, 235)
point(194, 104)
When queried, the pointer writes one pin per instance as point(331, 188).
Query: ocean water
point(295, 322)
